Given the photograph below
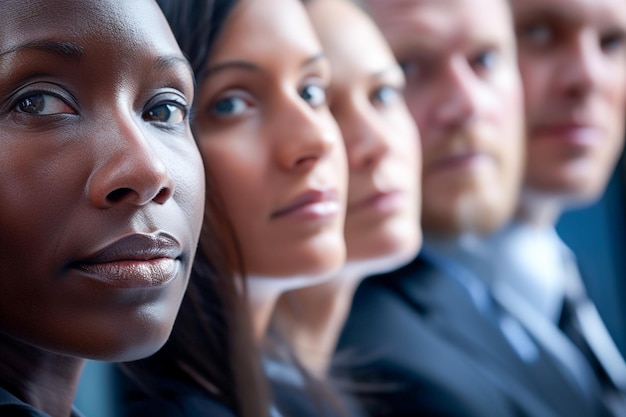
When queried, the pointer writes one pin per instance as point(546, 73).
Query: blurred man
point(470, 328)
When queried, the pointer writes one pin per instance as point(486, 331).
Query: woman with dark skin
point(101, 193)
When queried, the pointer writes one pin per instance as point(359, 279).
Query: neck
point(44, 380)
point(262, 296)
point(263, 292)
point(312, 317)
point(539, 209)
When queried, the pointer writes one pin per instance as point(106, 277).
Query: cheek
point(239, 175)
point(190, 187)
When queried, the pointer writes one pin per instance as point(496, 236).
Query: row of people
point(291, 100)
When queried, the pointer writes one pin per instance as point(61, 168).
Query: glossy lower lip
point(581, 135)
point(383, 203)
point(133, 274)
point(464, 161)
point(311, 205)
point(135, 261)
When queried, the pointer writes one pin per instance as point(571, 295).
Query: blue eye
point(314, 95)
point(385, 95)
point(230, 106)
point(43, 104)
point(612, 41)
point(539, 34)
point(410, 69)
point(485, 60)
point(169, 113)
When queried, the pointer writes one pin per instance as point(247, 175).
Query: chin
point(570, 191)
point(390, 249)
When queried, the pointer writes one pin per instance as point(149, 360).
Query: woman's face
point(382, 143)
point(269, 141)
point(101, 195)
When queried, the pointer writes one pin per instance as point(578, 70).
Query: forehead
point(442, 23)
point(573, 12)
point(256, 28)
point(349, 38)
point(88, 23)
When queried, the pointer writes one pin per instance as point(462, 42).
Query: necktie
point(572, 363)
point(582, 323)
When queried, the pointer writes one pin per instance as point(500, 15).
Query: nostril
point(162, 195)
point(118, 195)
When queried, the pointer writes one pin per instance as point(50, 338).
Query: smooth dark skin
point(107, 154)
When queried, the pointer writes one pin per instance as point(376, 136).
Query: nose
point(303, 135)
point(459, 99)
point(581, 66)
point(364, 134)
point(131, 171)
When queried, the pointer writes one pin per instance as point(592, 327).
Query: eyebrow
point(390, 69)
point(165, 62)
point(66, 50)
point(249, 66)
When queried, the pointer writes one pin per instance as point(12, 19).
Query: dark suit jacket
point(175, 399)
point(418, 346)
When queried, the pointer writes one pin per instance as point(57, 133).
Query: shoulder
point(182, 405)
point(176, 399)
point(383, 304)
point(11, 406)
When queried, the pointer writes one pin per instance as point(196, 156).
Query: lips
point(459, 160)
point(138, 260)
point(384, 202)
point(312, 204)
point(582, 134)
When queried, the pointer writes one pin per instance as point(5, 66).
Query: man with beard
point(480, 324)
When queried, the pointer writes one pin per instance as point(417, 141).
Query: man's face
point(572, 59)
point(464, 92)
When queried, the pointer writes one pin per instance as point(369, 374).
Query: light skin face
point(381, 139)
point(267, 137)
point(464, 92)
point(100, 200)
point(382, 225)
point(572, 57)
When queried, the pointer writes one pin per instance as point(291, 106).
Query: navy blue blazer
point(420, 347)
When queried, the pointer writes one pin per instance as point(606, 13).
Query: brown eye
point(43, 104)
point(169, 113)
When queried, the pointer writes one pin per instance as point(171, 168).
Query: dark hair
point(196, 25)
point(211, 346)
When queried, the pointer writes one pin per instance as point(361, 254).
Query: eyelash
point(32, 94)
point(234, 110)
point(168, 104)
point(376, 96)
point(322, 99)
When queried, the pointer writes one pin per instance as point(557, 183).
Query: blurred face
point(270, 142)
point(464, 92)
point(572, 58)
point(382, 222)
point(100, 193)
